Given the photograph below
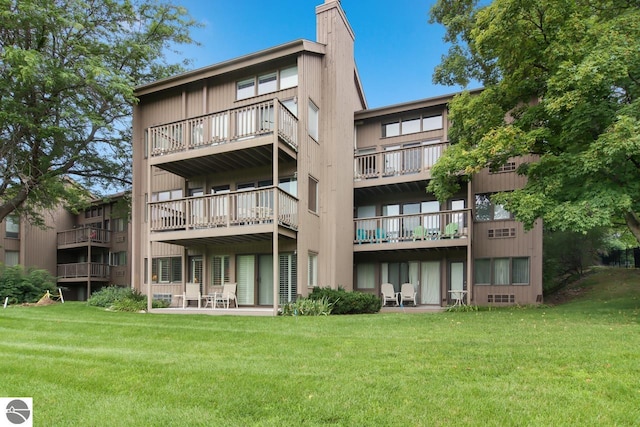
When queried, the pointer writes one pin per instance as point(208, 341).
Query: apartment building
point(85, 250)
point(269, 171)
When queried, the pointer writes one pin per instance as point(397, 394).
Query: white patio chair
point(388, 294)
point(191, 293)
point(408, 294)
point(228, 294)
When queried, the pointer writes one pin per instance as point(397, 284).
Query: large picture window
point(486, 210)
point(501, 271)
point(412, 124)
point(166, 270)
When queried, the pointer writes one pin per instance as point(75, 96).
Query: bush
point(307, 307)
point(121, 298)
point(343, 302)
point(21, 286)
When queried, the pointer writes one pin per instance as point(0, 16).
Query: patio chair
point(388, 294)
point(451, 230)
point(408, 294)
point(191, 293)
point(419, 233)
point(228, 293)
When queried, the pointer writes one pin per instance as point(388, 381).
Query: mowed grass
point(576, 364)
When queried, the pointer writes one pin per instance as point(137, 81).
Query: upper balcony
point(84, 236)
point(230, 217)
point(82, 271)
point(397, 165)
point(414, 231)
point(225, 140)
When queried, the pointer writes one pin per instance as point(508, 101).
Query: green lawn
point(577, 364)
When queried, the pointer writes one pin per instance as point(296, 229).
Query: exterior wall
point(327, 77)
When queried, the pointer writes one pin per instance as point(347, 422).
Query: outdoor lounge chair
point(408, 294)
point(419, 233)
point(228, 294)
point(191, 293)
point(451, 230)
point(388, 294)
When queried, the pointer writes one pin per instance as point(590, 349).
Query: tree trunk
point(633, 222)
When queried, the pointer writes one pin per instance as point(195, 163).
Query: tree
point(68, 69)
point(561, 83)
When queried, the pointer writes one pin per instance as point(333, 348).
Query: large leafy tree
point(68, 69)
point(561, 83)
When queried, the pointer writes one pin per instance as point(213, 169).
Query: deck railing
point(411, 228)
point(224, 127)
point(224, 210)
point(402, 161)
point(82, 270)
point(84, 235)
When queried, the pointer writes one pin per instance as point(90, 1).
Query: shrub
point(307, 307)
point(120, 298)
point(21, 286)
point(343, 302)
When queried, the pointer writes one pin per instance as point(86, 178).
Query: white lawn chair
point(191, 293)
point(388, 294)
point(408, 294)
point(228, 294)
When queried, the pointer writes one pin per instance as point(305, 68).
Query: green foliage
point(307, 307)
point(562, 88)
point(120, 298)
point(467, 308)
point(68, 70)
point(343, 302)
point(21, 286)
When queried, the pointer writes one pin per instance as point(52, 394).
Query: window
point(166, 270)
point(12, 227)
point(432, 123)
point(482, 271)
point(246, 88)
point(501, 271)
point(365, 276)
point(486, 210)
point(195, 269)
point(118, 258)
point(11, 258)
point(267, 83)
point(219, 270)
point(313, 195)
point(411, 125)
point(313, 120)
point(313, 269)
point(119, 225)
point(290, 185)
point(289, 77)
point(162, 196)
point(291, 105)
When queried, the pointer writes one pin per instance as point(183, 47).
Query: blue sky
point(396, 48)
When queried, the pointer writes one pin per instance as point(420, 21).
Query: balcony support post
point(276, 215)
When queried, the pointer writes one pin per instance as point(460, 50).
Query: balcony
point(399, 165)
point(82, 271)
point(224, 214)
point(84, 236)
point(223, 134)
point(428, 230)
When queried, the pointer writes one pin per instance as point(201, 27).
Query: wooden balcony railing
point(83, 270)
point(411, 228)
point(224, 127)
point(86, 235)
point(402, 161)
point(224, 210)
